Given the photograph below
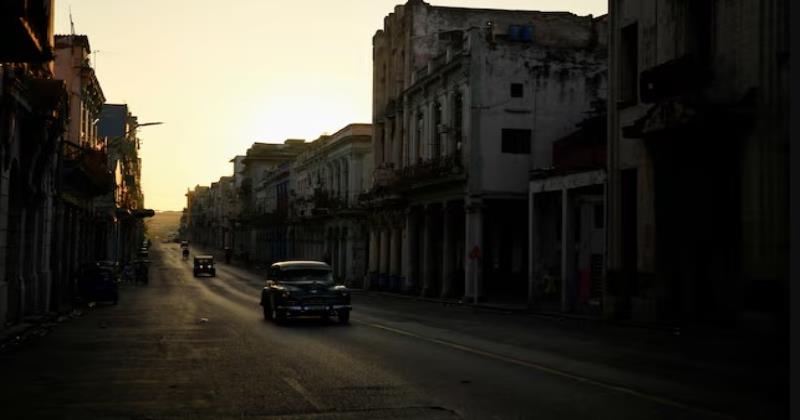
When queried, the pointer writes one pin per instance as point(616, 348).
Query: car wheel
point(278, 316)
point(344, 317)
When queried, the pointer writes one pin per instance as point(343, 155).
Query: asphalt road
point(185, 347)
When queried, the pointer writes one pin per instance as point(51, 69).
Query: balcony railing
point(86, 169)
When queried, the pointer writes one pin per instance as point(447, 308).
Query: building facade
point(698, 162)
point(326, 221)
point(33, 114)
point(123, 208)
point(81, 234)
point(466, 103)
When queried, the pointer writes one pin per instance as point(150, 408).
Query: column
point(384, 257)
point(567, 250)
point(447, 252)
point(427, 253)
point(532, 256)
point(373, 257)
point(473, 270)
point(394, 253)
point(409, 254)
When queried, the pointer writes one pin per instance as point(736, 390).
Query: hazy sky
point(224, 74)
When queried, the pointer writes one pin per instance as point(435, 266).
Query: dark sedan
point(304, 288)
point(204, 264)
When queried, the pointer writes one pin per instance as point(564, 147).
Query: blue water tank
point(526, 33)
point(514, 32)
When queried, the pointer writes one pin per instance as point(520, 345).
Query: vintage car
point(304, 288)
point(204, 264)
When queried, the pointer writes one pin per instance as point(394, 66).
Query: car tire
point(344, 317)
point(279, 317)
point(267, 312)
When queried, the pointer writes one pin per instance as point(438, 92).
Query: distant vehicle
point(304, 288)
point(98, 283)
point(111, 265)
point(185, 253)
point(143, 254)
point(184, 244)
point(204, 264)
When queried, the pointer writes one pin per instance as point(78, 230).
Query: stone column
point(4, 184)
point(409, 254)
point(473, 270)
point(427, 253)
point(532, 243)
point(567, 249)
point(384, 256)
point(448, 247)
point(394, 254)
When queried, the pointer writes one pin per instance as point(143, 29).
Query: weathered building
point(326, 221)
point(123, 207)
point(198, 215)
point(259, 161)
point(84, 174)
point(567, 237)
point(698, 161)
point(33, 113)
point(465, 103)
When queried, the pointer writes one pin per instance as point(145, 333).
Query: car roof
point(296, 265)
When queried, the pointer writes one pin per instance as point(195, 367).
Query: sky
point(222, 75)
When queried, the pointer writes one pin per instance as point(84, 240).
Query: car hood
point(312, 288)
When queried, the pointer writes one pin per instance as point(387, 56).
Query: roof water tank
point(526, 33)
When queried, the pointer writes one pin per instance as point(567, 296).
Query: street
point(185, 347)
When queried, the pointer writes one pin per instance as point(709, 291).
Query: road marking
point(552, 371)
point(304, 392)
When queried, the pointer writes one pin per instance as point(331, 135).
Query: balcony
point(84, 170)
point(25, 30)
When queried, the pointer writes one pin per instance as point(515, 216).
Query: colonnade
point(424, 249)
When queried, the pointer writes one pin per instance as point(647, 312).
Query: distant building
point(253, 168)
point(122, 207)
point(326, 220)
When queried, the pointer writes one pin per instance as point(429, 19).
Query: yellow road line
point(552, 371)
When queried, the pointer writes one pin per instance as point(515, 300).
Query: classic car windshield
point(306, 275)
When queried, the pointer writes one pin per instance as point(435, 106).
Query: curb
point(39, 326)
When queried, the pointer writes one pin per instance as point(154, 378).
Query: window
point(516, 90)
point(516, 141)
point(629, 64)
